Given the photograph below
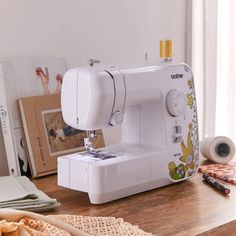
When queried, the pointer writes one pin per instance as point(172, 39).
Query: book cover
point(20, 78)
point(47, 136)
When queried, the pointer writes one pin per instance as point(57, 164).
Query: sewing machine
point(156, 108)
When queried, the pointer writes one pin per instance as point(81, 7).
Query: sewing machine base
point(136, 169)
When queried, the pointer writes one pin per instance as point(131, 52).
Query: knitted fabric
point(102, 225)
point(99, 226)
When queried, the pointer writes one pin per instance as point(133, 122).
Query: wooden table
point(187, 208)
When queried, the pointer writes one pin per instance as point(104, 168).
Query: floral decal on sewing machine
point(187, 164)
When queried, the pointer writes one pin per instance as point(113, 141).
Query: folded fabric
point(15, 223)
point(20, 193)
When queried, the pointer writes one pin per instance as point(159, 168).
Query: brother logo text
point(176, 76)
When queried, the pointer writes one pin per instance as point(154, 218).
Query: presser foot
point(98, 154)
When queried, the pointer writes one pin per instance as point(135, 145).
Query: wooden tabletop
point(186, 208)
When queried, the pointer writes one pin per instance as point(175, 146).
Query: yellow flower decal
point(190, 100)
point(190, 126)
point(190, 83)
point(172, 166)
point(187, 156)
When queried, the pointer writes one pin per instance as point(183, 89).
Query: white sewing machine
point(156, 107)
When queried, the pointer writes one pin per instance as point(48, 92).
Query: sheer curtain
point(225, 122)
point(214, 65)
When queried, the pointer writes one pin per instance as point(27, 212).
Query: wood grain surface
point(186, 208)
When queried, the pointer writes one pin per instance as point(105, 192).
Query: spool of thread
point(218, 149)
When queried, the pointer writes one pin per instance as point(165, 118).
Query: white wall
point(118, 31)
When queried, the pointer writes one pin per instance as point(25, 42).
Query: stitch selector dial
point(176, 102)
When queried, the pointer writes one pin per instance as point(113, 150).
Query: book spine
point(27, 139)
point(7, 130)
